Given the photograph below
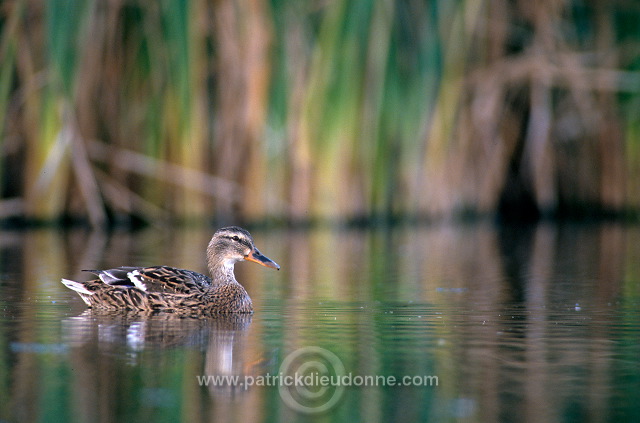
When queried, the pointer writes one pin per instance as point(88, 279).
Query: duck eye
point(235, 238)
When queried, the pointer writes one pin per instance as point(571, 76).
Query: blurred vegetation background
point(301, 110)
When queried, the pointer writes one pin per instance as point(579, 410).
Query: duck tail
point(79, 288)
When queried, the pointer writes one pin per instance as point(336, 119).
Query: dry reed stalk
point(538, 154)
point(85, 177)
point(242, 36)
point(443, 174)
point(299, 168)
point(184, 178)
point(610, 137)
point(122, 200)
point(187, 72)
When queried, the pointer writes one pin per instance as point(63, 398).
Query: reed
point(300, 110)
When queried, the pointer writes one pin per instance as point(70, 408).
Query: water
point(436, 323)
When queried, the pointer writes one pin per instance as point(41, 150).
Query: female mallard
point(165, 288)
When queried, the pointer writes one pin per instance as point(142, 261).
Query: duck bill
point(257, 257)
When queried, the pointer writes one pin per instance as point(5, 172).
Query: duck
point(169, 289)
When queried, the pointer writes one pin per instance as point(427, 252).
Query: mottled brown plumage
point(165, 288)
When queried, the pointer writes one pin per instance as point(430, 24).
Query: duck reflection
point(135, 336)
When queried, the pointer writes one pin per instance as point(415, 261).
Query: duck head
point(232, 244)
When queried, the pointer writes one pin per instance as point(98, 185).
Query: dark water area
point(470, 323)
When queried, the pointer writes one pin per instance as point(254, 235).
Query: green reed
point(301, 110)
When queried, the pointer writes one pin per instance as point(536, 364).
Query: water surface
point(435, 323)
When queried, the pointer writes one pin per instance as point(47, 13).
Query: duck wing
point(162, 279)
